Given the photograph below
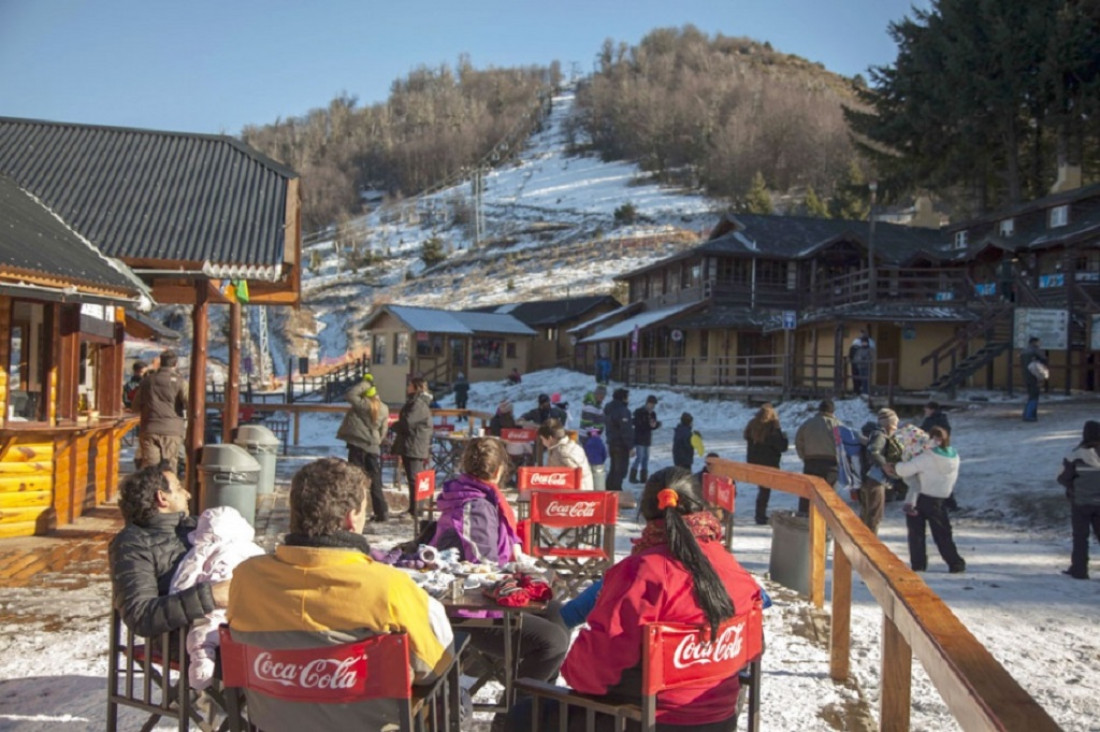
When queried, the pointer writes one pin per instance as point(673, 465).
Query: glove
point(537, 590)
point(508, 593)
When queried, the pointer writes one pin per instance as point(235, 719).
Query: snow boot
point(642, 476)
point(633, 475)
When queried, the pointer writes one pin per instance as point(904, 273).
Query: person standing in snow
point(462, 393)
point(683, 453)
point(563, 452)
point(596, 452)
point(816, 446)
point(765, 443)
point(620, 439)
point(413, 435)
point(1034, 364)
point(935, 472)
point(592, 409)
point(1081, 479)
point(364, 429)
point(645, 422)
point(883, 452)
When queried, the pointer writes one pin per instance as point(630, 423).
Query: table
point(511, 621)
point(447, 449)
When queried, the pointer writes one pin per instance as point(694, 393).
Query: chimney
point(1069, 177)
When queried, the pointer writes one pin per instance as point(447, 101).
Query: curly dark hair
point(711, 593)
point(483, 457)
point(137, 495)
point(322, 493)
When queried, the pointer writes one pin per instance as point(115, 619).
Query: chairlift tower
point(261, 357)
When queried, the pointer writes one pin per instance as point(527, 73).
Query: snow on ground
point(1012, 530)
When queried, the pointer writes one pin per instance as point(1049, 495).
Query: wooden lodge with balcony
point(772, 303)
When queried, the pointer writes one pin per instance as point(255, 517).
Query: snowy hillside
point(543, 211)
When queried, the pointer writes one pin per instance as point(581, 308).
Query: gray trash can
point(790, 559)
point(228, 477)
point(262, 444)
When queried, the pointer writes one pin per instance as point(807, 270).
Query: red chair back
point(573, 533)
point(719, 491)
point(567, 509)
point(425, 485)
point(517, 434)
point(676, 655)
point(530, 478)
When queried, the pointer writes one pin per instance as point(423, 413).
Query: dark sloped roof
point(948, 312)
point(550, 313)
point(1054, 199)
point(144, 194)
point(720, 317)
point(436, 320)
point(35, 241)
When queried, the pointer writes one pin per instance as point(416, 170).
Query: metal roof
point(552, 312)
point(432, 320)
point(33, 240)
point(151, 195)
point(624, 328)
point(624, 310)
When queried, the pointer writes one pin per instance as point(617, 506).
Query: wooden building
point(438, 344)
point(555, 345)
point(187, 215)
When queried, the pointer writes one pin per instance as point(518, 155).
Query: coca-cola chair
point(529, 478)
point(573, 533)
point(720, 497)
point(138, 678)
point(425, 500)
point(674, 655)
point(365, 684)
point(520, 443)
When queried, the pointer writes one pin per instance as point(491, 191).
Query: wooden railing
point(977, 690)
point(928, 286)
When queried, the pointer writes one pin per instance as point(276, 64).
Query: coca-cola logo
point(320, 673)
point(423, 485)
point(554, 479)
point(726, 647)
point(577, 509)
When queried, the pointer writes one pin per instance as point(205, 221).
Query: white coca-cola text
point(691, 651)
point(321, 673)
point(580, 509)
point(554, 479)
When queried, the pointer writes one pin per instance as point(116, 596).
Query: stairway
point(965, 368)
point(994, 328)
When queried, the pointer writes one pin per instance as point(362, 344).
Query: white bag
point(1039, 370)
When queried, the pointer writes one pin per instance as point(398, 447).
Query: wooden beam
point(196, 400)
point(897, 679)
point(231, 414)
point(818, 547)
point(840, 626)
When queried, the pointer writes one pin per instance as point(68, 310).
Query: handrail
point(976, 688)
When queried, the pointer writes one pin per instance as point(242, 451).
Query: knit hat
point(543, 398)
point(826, 406)
point(887, 416)
point(555, 397)
point(651, 399)
point(504, 407)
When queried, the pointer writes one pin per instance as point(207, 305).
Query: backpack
point(850, 457)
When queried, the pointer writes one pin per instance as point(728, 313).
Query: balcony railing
point(909, 286)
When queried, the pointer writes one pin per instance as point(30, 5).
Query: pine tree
point(851, 199)
point(431, 251)
point(815, 207)
point(758, 201)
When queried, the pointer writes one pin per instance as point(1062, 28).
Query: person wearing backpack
point(883, 450)
point(1081, 479)
point(1035, 368)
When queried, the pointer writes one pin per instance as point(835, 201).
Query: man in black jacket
point(144, 555)
point(934, 416)
point(161, 400)
point(620, 439)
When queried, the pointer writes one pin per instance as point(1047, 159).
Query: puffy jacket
point(1081, 477)
point(683, 454)
point(357, 428)
point(770, 451)
point(161, 400)
point(501, 421)
point(568, 454)
point(645, 422)
point(413, 428)
point(648, 587)
point(620, 426)
point(595, 450)
point(591, 413)
point(539, 415)
point(936, 470)
point(814, 439)
point(143, 560)
point(469, 520)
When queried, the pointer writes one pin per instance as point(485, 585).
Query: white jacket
point(221, 540)
point(937, 470)
point(568, 454)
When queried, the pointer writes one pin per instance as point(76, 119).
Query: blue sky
point(217, 65)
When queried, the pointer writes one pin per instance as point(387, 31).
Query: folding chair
point(425, 492)
point(720, 496)
point(365, 684)
point(520, 444)
point(531, 478)
point(674, 655)
point(573, 533)
point(138, 677)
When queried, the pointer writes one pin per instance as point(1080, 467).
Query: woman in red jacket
point(678, 572)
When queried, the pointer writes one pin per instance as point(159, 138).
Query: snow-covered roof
point(434, 320)
point(641, 320)
point(616, 313)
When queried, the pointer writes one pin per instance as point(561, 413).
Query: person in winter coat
point(815, 443)
point(766, 444)
point(222, 539)
point(596, 452)
point(1028, 356)
point(683, 454)
point(476, 518)
point(936, 471)
point(462, 393)
point(364, 429)
point(544, 411)
point(882, 452)
point(679, 572)
point(592, 409)
point(562, 452)
point(645, 422)
point(161, 400)
point(413, 435)
point(503, 419)
point(934, 416)
point(143, 556)
point(1081, 479)
point(620, 439)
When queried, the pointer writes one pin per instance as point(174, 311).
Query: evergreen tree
point(815, 207)
point(851, 199)
point(431, 251)
point(758, 201)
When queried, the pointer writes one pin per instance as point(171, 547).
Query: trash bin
point(228, 477)
point(790, 559)
point(262, 444)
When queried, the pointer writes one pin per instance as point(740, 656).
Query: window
point(400, 349)
point(704, 343)
point(28, 363)
point(1059, 216)
point(1008, 227)
point(380, 350)
point(428, 344)
point(487, 353)
point(960, 240)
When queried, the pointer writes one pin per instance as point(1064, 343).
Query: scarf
point(703, 526)
point(338, 540)
point(505, 509)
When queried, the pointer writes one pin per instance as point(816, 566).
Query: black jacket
point(770, 451)
point(143, 560)
point(936, 419)
point(619, 426)
point(413, 428)
point(645, 422)
point(1081, 477)
point(683, 454)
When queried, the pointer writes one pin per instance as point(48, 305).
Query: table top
point(475, 599)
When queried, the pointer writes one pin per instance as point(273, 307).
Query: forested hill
point(707, 112)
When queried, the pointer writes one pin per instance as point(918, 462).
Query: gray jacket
point(413, 428)
point(357, 428)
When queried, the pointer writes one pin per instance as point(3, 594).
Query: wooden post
point(817, 555)
point(840, 628)
point(297, 425)
point(196, 399)
point(231, 413)
point(897, 673)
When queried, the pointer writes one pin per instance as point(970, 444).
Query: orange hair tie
point(667, 497)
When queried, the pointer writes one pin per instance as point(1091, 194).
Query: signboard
point(719, 491)
point(790, 319)
point(1051, 280)
point(677, 335)
point(1049, 325)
